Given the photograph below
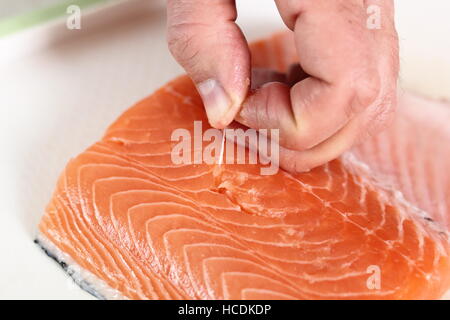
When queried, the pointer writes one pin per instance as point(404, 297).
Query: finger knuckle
point(382, 114)
point(365, 92)
point(182, 44)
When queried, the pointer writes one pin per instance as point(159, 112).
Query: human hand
point(347, 93)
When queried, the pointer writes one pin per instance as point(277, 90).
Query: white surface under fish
point(60, 95)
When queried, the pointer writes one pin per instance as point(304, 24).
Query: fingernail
point(216, 100)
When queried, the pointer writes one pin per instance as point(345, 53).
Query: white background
point(60, 89)
point(9, 8)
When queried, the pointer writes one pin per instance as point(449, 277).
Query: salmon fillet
point(130, 224)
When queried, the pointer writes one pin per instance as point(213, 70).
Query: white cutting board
point(60, 89)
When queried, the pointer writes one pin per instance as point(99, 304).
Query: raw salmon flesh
point(127, 223)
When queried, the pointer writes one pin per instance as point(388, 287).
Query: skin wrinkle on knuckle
point(364, 84)
point(180, 12)
point(366, 94)
point(183, 48)
point(382, 113)
point(186, 42)
point(188, 28)
point(377, 118)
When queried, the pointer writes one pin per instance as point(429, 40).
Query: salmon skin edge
point(81, 277)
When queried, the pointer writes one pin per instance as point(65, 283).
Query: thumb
point(204, 38)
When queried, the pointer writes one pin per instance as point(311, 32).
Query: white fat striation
point(387, 191)
point(407, 208)
point(187, 246)
point(85, 279)
point(412, 155)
